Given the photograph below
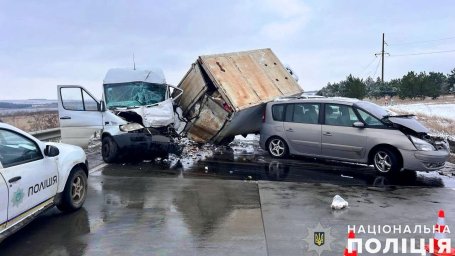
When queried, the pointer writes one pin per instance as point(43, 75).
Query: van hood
point(156, 115)
point(409, 122)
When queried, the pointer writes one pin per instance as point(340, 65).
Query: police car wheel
point(75, 192)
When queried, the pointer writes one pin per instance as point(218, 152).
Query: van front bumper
point(146, 146)
point(424, 160)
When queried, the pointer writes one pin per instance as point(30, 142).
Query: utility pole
point(382, 55)
point(382, 52)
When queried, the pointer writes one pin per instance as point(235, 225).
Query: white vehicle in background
point(136, 116)
point(34, 176)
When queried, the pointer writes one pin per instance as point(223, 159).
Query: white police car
point(35, 176)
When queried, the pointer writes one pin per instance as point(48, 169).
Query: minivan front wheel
point(277, 148)
point(385, 161)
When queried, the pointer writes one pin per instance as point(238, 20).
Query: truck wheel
point(277, 147)
point(75, 192)
point(109, 149)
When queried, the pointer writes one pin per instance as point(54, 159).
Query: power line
point(367, 66)
point(425, 41)
point(376, 69)
point(421, 53)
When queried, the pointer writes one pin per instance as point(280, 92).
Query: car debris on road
point(339, 203)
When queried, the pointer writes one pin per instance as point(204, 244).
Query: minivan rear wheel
point(277, 147)
point(386, 161)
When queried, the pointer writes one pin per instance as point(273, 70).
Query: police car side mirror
point(51, 151)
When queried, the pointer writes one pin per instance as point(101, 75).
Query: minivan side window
point(340, 115)
point(307, 113)
point(278, 112)
point(289, 113)
point(369, 119)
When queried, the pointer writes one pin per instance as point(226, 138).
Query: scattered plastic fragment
point(339, 203)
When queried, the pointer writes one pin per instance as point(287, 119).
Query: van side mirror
point(51, 151)
point(358, 124)
point(101, 106)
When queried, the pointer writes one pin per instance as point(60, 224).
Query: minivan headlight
point(130, 127)
point(421, 144)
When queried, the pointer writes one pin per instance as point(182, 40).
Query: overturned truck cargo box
point(224, 94)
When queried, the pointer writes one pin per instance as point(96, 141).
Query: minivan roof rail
point(302, 96)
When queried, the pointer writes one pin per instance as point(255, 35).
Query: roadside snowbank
point(437, 110)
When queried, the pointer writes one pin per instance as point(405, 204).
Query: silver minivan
point(350, 130)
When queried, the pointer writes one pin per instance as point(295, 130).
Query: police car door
point(30, 176)
point(3, 201)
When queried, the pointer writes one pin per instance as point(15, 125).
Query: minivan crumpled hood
point(409, 122)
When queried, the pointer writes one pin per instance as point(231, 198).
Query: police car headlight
point(130, 127)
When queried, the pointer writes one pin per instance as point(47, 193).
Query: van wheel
point(386, 161)
point(75, 192)
point(109, 149)
point(277, 148)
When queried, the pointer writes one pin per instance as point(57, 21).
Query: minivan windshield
point(372, 108)
point(134, 94)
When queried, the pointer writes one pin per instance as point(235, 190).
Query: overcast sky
point(45, 43)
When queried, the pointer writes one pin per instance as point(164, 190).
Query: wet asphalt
point(232, 204)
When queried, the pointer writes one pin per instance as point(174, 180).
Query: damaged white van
point(136, 116)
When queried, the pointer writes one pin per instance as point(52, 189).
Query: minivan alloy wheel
point(382, 161)
point(277, 147)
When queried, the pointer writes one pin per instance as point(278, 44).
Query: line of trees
point(14, 105)
point(412, 85)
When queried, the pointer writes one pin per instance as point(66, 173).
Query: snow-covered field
point(436, 110)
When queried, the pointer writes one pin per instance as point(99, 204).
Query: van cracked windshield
point(134, 94)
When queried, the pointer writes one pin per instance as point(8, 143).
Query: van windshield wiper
point(117, 106)
point(122, 106)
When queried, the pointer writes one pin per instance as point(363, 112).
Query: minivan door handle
point(290, 130)
point(65, 117)
point(327, 133)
